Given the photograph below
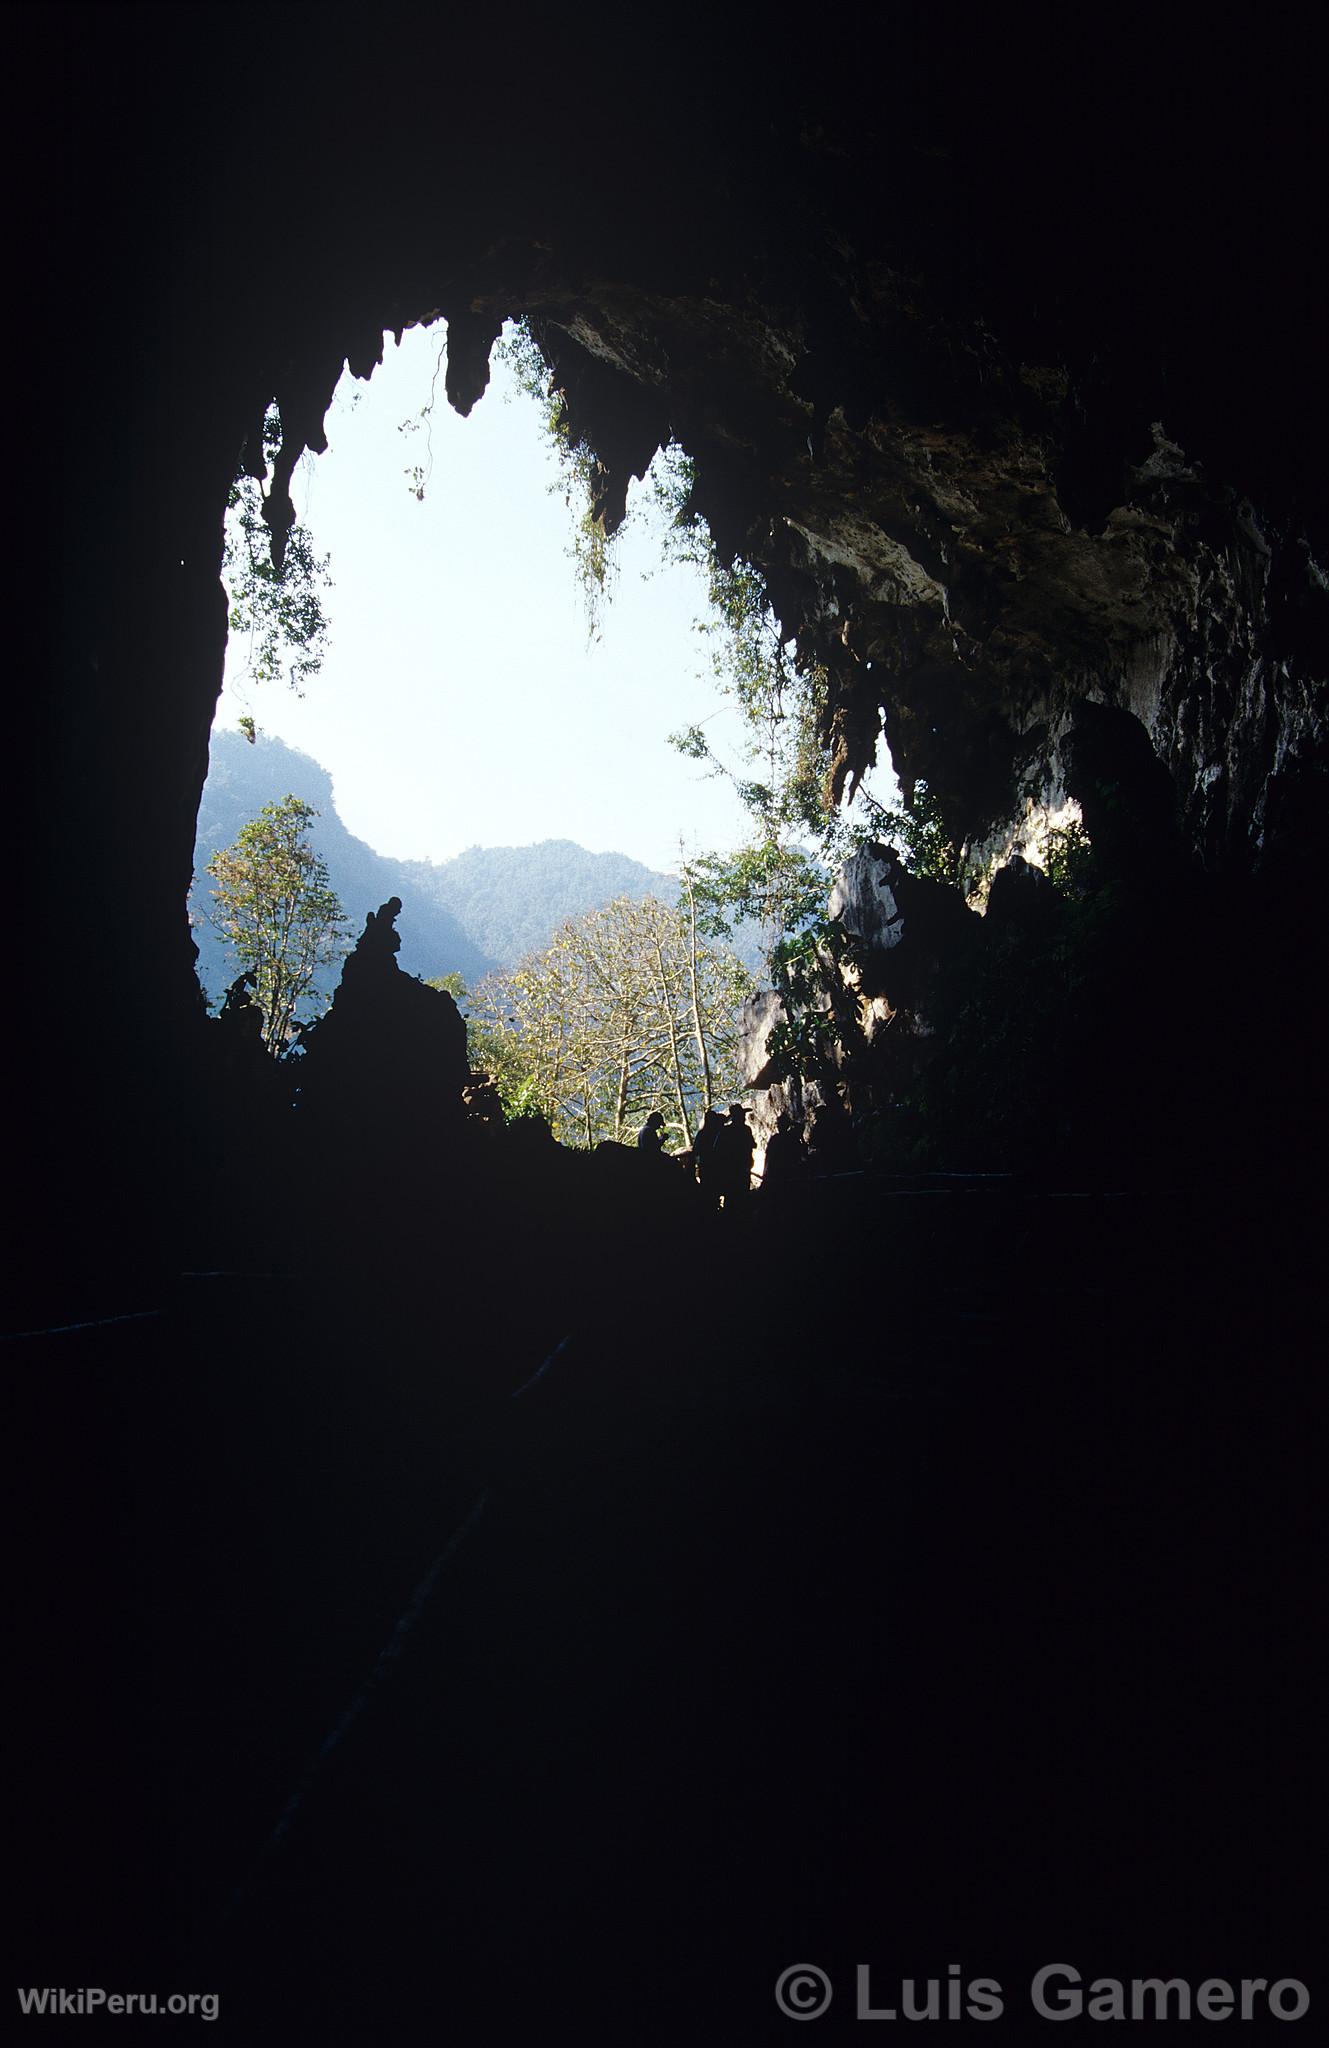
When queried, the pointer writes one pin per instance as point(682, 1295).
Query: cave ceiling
point(998, 357)
point(970, 364)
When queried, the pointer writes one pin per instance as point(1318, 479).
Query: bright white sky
point(459, 703)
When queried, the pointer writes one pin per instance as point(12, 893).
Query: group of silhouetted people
point(722, 1156)
point(723, 1146)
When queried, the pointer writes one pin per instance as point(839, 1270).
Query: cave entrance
point(465, 696)
point(486, 734)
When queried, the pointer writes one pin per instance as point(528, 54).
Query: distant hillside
point(241, 779)
point(511, 899)
point(485, 909)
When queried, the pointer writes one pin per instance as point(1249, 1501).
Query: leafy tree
point(628, 1010)
point(777, 887)
point(276, 911)
point(494, 1051)
point(816, 966)
point(1069, 860)
point(917, 830)
point(817, 974)
point(280, 607)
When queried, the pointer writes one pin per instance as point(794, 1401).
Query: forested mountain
point(485, 908)
point(241, 779)
point(511, 899)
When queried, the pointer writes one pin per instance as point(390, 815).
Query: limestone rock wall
point(913, 302)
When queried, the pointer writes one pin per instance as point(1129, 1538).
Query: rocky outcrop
point(942, 572)
point(1028, 1037)
point(389, 1057)
point(1007, 380)
point(911, 938)
point(925, 545)
point(768, 1093)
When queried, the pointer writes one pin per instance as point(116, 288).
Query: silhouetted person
point(237, 995)
point(245, 1060)
point(784, 1161)
point(703, 1148)
point(650, 1138)
point(241, 1015)
point(831, 1146)
point(731, 1158)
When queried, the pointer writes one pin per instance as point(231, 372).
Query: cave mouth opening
point(474, 703)
point(476, 685)
point(472, 690)
point(431, 678)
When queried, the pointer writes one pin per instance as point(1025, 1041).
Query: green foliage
point(281, 610)
point(1069, 861)
point(916, 828)
point(518, 1093)
point(816, 974)
point(494, 1052)
point(1000, 1024)
point(815, 968)
point(592, 549)
point(781, 701)
point(779, 877)
point(276, 912)
point(500, 1055)
point(625, 1012)
point(779, 887)
point(241, 779)
point(519, 349)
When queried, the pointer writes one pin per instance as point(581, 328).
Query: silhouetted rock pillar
point(382, 1076)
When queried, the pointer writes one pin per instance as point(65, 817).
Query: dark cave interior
point(929, 1574)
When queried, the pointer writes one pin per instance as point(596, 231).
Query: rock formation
point(1009, 413)
point(389, 1059)
point(1007, 381)
point(941, 1573)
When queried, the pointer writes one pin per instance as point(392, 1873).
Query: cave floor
point(949, 1605)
